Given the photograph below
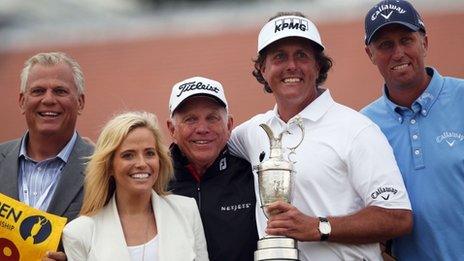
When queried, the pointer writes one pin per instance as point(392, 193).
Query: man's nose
point(48, 97)
point(291, 64)
point(202, 127)
point(398, 52)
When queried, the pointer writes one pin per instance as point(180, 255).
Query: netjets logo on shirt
point(236, 207)
point(450, 138)
point(386, 11)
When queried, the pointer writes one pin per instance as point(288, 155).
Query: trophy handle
point(292, 152)
point(301, 127)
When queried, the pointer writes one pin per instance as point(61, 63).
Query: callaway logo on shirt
point(384, 192)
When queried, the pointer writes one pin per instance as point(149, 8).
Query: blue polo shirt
point(428, 143)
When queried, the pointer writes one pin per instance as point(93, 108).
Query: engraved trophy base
point(276, 248)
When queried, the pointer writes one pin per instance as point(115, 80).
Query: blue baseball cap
point(391, 12)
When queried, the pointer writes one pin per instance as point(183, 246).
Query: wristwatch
point(324, 228)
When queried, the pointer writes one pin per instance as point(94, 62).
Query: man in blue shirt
point(44, 169)
point(421, 113)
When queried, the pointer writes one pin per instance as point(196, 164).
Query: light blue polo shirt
point(428, 143)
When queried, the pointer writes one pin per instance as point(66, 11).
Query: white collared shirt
point(343, 165)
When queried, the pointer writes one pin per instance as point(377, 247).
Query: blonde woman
point(127, 213)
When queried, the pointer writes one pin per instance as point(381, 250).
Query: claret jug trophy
point(275, 181)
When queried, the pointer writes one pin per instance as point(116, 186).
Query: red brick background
point(138, 74)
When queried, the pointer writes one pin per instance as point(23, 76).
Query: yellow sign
point(27, 233)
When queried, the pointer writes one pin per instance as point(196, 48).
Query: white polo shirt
point(343, 165)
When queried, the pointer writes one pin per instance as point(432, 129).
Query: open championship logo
point(35, 229)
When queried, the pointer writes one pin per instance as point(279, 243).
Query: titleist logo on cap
point(290, 24)
point(190, 86)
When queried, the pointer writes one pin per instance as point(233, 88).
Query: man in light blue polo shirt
point(422, 115)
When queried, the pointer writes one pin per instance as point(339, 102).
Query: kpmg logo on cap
point(389, 7)
point(191, 86)
point(291, 24)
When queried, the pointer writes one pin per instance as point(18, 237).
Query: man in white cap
point(348, 193)
point(204, 169)
point(420, 112)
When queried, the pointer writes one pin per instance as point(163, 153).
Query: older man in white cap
point(204, 169)
point(348, 192)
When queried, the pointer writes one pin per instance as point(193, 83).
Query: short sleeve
point(373, 170)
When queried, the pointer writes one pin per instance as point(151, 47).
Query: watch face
point(324, 227)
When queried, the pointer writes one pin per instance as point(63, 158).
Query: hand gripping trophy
point(275, 180)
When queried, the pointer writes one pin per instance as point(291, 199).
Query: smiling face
point(51, 102)
point(135, 164)
point(201, 129)
point(399, 55)
point(291, 70)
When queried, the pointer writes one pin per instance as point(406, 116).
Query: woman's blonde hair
point(99, 185)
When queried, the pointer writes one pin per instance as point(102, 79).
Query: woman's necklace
point(147, 232)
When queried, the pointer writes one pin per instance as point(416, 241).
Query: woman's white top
point(150, 248)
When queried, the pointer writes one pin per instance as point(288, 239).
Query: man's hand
point(54, 256)
point(292, 223)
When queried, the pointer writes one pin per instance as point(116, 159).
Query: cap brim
point(198, 95)
point(408, 25)
point(318, 45)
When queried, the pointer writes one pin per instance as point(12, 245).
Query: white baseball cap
point(196, 86)
point(288, 26)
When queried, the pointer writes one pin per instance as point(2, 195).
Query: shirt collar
point(181, 161)
point(424, 102)
point(315, 110)
point(63, 154)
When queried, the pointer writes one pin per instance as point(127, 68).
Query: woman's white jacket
point(100, 237)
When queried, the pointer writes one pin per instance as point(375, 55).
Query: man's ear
point(80, 103)
point(22, 103)
point(369, 54)
point(425, 44)
point(171, 127)
point(230, 122)
point(262, 69)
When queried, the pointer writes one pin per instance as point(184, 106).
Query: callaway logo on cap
point(391, 12)
point(196, 86)
point(288, 26)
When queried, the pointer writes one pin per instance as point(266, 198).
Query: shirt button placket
point(416, 144)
